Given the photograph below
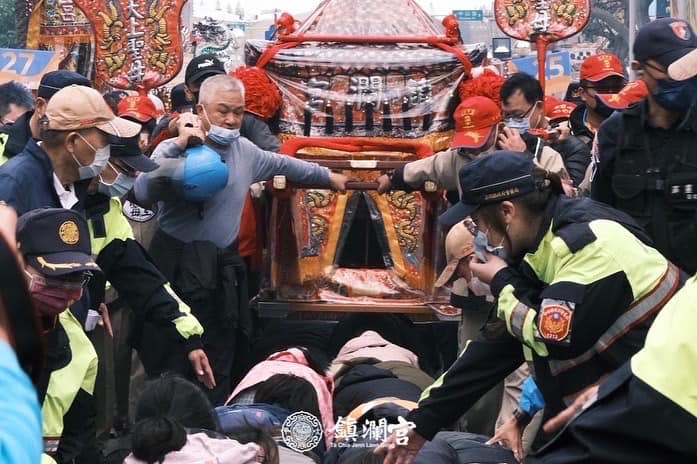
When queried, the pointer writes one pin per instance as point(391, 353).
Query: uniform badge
point(680, 30)
point(555, 322)
point(69, 233)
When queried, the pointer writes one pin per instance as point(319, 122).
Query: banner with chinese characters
point(559, 19)
point(59, 26)
point(363, 90)
point(137, 42)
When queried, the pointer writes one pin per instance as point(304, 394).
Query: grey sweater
point(218, 219)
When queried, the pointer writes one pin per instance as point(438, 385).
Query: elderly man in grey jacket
point(196, 245)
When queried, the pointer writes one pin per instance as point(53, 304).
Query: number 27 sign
point(26, 66)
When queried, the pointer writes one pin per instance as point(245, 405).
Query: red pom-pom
point(488, 84)
point(261, 96)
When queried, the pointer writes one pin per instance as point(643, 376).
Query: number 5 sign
point(557, 70)
point(26, 66)
point(557, 64)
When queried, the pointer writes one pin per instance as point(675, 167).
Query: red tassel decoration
point(262, 97)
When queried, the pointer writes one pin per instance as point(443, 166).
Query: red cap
point(138, 107)
point(557, 109)
point(475, 118)
point(598, 67)
point(630, 94)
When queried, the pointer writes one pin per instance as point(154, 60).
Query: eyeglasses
point(69, 281)
point(649, 65)
point(646, 66)
point(121, 167)
point(516, 115)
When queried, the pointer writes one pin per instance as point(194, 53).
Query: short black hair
point(14, 92)
point(112, 99)
point(527, 84)
point(178, 399)
point(288, 391)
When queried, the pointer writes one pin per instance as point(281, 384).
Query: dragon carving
point(113, 30)
point(158, 57)
point(405, 220)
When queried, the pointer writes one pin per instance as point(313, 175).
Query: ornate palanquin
point(314, 257)
point(361, 94)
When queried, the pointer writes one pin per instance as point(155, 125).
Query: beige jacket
point(443, 168)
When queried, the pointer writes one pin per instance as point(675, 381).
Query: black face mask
point(601, 109)
point(675, 96)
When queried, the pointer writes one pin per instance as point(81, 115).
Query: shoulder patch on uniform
point(554, 321)
point(576, 235)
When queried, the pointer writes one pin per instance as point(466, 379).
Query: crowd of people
point(130, 233)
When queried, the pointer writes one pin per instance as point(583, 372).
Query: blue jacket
point(30, 167)
point(20, 417)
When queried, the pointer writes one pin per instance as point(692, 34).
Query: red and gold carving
point(557, 19)
point(138, 41)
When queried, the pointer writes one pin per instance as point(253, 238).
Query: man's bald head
point(215, 86)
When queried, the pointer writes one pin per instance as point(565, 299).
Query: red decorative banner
point(557, 19)
point(542, 22)
point(138, 43)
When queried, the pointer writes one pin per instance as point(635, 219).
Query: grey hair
point(219, 83)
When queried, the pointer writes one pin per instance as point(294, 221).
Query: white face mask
point(101, 158)
point(120, 187)
point(220, 135)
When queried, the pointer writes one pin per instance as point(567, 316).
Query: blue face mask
point(119, 188)
point(522, 124)
point(675, 96)
point(481, 243)
point(101, 158)
point(221, 135)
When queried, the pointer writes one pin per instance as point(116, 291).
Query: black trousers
point(213, 283)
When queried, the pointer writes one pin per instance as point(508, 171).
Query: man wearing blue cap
point(578, 288)
point(26, 126)
point(647, 158)
point(55, 246)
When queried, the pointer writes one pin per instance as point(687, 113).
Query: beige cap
point(78, 107)
point(458, 244)
point(684, 68)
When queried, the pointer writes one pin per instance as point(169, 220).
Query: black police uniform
point(651, 174)
point(576, 307)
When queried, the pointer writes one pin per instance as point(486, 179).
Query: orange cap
point(557, 109)
point(598, 67)
point(458, 245)
point(138, 107)
point(630, 94)
point(475, 118)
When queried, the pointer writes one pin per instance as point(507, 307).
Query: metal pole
point(632, 33)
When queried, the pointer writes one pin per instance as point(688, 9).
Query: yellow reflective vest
point(65, 383)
